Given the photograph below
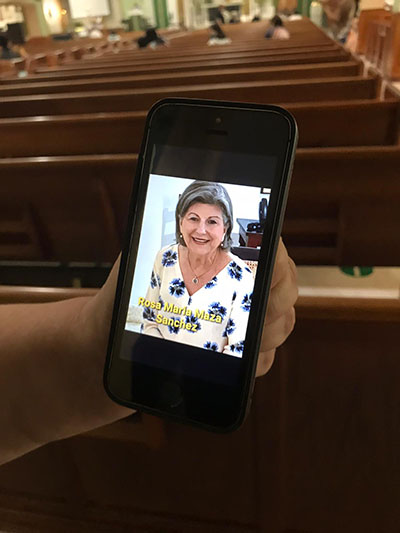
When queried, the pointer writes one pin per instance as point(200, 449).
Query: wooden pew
point(245, 36)
point(300, 54)
point(128, 70)
point(54, 274)
point(30, 295)
point(70, 202)
point(393, 67)
point(342, 207)
point(44, 44)
point(52, 52)
point(317, 90)
point(300, 30)
point(328, 70)
point(367, 16)
point(193, 52)
point(7, 68)
point(178, 45)
point(323, 428)
point(320, 125)
point(340, 210)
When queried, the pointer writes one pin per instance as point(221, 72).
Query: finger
point(280, 265)
point(113, 275)
point(103, 302)
point(293, 269)
point(282, 297)
point(264, 363)
point(278, 331)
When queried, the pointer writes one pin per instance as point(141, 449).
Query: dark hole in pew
point(14, 238)
point(310, 240)
point(217, 132)
point(53, 274)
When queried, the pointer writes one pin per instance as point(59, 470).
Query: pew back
point(77, 200)
point(316, 90)
point(333, 70)
point(130, 70)
point(320, 125)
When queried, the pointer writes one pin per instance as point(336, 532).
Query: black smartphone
point(194, 282)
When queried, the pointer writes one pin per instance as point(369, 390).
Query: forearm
point(51, 364)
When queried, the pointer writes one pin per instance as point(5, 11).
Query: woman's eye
point(212, 221)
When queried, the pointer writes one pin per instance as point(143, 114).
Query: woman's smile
point(197, 240)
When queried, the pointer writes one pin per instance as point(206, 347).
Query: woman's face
point(202, 227)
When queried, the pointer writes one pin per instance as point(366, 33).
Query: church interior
point(318, 452)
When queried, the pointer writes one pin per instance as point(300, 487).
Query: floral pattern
point(237, 347)
point(217, 309)
point(172, 328)
point(211, 283)
point(177, 287)
point(169, 258)
point(246, 302)
point(235, 270)
point(209, 345)
point(149, 314)
point(193, 321)
point(153, 280)
point(213, 318)
point(230, 328)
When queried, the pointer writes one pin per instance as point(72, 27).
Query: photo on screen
point(196, 262)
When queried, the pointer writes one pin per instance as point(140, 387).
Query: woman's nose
point(201, 228)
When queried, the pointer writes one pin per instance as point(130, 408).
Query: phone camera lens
point(218, 120)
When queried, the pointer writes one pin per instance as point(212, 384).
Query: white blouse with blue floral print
point(215, 317)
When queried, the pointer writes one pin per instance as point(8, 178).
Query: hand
point(280, 318)
point(278, 325)
point(98, 312)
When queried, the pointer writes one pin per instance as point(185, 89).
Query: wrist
point(73, 370)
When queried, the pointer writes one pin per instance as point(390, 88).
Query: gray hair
point(205, 192)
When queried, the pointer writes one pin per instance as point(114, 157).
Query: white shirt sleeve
point(236, 327)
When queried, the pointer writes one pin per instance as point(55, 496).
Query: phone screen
point(201, 206)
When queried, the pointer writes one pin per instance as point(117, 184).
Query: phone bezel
point(116, 368)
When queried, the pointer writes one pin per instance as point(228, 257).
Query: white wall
point(173, 12)
point(188, 16)
point(89, 8)
point(162, 193)
point(9, 14)
point(115, 17)
point(148, 12)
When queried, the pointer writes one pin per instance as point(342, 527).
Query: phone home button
point(171, 394)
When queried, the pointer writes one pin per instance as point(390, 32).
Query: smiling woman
point(200, 293)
